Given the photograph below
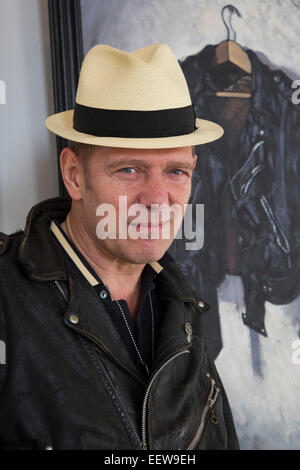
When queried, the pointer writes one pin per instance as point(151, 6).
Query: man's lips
point(150, 225)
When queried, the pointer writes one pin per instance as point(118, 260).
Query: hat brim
point(61, 124)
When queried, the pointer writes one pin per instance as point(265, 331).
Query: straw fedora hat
point(134, 100)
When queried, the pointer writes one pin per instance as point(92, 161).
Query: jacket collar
point(38, 251)
point(264, 80)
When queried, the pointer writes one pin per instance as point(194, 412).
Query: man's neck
point(123, 281)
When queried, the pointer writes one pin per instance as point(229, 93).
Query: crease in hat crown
point(147, 79)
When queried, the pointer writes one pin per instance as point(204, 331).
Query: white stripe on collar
point(75, 258)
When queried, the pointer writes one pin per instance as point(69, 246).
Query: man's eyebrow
point(136, 161)
point(180, 164)
point(125, 162)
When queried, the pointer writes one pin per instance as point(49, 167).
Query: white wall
point(28, 168)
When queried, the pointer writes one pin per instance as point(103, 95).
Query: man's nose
point(154, 191)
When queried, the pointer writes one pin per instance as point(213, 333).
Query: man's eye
point(127, 170)
point(177, 172)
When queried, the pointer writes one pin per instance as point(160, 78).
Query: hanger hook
point(232, 9)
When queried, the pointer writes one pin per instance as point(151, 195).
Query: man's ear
point(72, 173)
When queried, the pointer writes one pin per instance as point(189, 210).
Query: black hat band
point(134, 124)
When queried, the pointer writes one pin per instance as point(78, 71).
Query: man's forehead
point(114, 154)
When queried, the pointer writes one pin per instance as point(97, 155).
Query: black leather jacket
point(74, 385)
point(265, 190)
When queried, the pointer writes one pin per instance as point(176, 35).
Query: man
point(103, 335)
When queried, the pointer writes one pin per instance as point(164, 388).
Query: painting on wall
point(242, 73)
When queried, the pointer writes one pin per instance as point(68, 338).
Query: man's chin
point(149, 252)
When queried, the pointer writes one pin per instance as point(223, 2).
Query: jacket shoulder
point(6, 240)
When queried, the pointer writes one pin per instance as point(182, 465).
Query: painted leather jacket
point(260, 176)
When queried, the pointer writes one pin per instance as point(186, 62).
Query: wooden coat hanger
point(230, 53)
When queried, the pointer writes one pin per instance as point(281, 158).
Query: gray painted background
point(265, 406)
point(270, 27)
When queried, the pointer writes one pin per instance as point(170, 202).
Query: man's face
point(146, 177)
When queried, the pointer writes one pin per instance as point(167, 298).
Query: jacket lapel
point(86, 315)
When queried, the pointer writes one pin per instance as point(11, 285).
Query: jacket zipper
point(61, 290)
point(146, 396)
point(237, 174)
point(281, 242)
point(208, 409)
point(254, 172)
